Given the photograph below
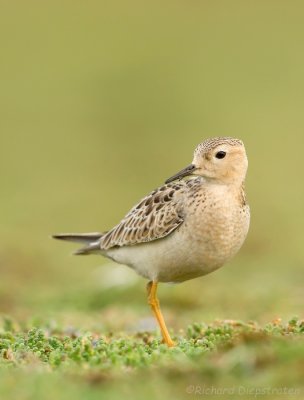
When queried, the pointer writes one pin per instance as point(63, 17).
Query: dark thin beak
point(181, 174)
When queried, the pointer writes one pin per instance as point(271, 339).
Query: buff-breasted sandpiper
point(187, 227)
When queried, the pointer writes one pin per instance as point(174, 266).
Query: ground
point(224, 358)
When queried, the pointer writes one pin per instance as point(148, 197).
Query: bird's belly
point(193, 250)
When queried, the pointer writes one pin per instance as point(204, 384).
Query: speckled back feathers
point(154, 217)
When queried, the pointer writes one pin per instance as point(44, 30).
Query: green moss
point(224, 354)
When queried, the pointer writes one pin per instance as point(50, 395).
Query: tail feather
point(91, 240)
point(78, 237)
point(90, 249)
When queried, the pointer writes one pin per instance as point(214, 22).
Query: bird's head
point(221, 160)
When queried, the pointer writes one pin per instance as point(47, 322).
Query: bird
point(186, 228)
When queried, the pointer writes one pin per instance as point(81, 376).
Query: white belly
point(199, 246)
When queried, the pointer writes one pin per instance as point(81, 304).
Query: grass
point(222, 356)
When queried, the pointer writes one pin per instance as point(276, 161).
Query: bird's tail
point(91, 240)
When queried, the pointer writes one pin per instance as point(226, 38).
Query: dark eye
point(220, 154)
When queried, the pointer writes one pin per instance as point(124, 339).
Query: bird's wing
point(154, 217)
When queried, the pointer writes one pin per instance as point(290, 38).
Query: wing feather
point(154, 217)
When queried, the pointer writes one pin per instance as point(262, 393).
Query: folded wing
point(154, 217)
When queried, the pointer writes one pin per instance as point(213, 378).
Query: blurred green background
point(100, 102)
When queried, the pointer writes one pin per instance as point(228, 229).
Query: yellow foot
point(169, 342)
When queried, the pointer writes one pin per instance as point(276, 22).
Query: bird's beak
point(181, 174)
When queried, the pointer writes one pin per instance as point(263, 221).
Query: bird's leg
point(154, 303)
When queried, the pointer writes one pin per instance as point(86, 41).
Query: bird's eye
point(220, 154)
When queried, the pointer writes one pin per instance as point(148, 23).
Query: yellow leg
point(154, 303)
